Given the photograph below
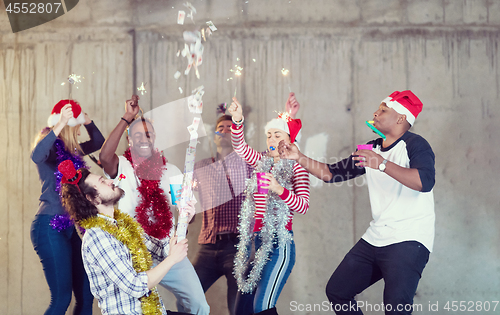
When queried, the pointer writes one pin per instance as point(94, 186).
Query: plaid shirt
point(221, 186)
point(113, 280)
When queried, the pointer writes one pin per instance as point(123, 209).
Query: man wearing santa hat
point(400, 176)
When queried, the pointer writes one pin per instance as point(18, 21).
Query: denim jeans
point(61, 258)
point(214, 261)
point(184, 284)
point(400, 265)
point(274, 276)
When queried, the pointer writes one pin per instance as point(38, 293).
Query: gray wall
point(344, 57)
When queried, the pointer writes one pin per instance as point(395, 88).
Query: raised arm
point(240, 146)
point(96, 138)
point(316, 168)
point(42, 149)
point(341, 171)
point(107, 156)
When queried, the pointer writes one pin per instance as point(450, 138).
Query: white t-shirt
point(130, 182)
point(399, 213)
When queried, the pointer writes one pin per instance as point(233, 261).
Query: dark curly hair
point(75, 201)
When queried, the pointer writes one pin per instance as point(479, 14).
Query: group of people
point(126, 217)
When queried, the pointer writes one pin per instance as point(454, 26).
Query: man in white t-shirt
point(145, 176)
point(400, 175)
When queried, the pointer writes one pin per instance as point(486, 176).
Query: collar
point(112, 220)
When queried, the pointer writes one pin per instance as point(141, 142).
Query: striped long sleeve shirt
point(296, 199)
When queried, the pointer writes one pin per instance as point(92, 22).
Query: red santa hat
point(405, 103)
point(78, 116)
point(285, 123)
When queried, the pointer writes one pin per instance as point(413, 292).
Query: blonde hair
point(68, 135)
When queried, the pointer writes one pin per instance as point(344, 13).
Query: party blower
point(369, 123)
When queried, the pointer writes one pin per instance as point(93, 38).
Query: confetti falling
point(195, 102)
point(142, 89)
point(192, 10)
point(212, 26)
point(180, 17)
point(193, 52)
point(180, 89)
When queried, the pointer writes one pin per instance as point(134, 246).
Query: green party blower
point(370, 124)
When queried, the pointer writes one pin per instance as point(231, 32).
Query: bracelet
point(128, 123)
point(238, 123)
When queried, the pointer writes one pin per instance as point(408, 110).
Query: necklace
point(153, 211)
point(273, 223)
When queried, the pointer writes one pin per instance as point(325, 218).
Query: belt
point(226, 237)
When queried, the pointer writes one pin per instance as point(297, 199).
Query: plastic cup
point(365, 146)
point(174, 188)
point(261, 190)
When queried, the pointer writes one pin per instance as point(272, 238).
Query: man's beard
point(111, 201)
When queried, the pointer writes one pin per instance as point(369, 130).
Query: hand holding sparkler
point(236, 110)
point(292, 106)
point(66, 115)
point(131, 108)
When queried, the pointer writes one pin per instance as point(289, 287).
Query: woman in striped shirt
point(266, 219)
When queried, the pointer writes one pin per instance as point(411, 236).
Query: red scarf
point(153, 212)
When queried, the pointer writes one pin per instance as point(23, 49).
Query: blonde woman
point(53, 234)
point(266, 218)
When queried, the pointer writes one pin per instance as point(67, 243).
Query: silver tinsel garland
point(273, 223)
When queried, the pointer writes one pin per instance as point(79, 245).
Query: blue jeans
point(273, 279)
point(184, 284)
point(400, 265)
point(61, 258)
point(214, 261)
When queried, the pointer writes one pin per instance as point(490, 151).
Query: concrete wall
point(344, 57)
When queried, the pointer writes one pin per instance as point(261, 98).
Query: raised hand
point(66, 115)
point(87, 119)
point(292, 106)
point(236, 110)
point(288, 151)
point(132, 108)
